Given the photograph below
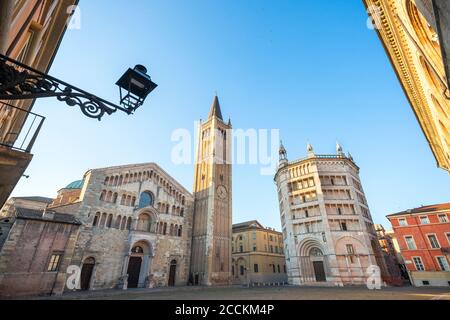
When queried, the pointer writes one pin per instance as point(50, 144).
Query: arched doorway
point(134, 266)
point(312, 261)
point(86, 273)
point(241, 271)
point(316, 256)
point(172, 273)
point(139, 262)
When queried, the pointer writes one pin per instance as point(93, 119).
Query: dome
point(75, 185)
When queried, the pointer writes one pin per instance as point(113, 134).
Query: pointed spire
point(282, 152)
point(310, 150)
point(229, 122)
point(350, 156)
point(339, 149)
point(215, 109)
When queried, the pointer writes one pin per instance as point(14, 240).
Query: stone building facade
point(36, 247)
point(328, 231)
point(424, 237)
point(395, 266)
point(136, 230)
point(258, 255)
point(408, 30)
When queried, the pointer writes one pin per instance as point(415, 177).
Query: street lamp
point(134, 86)
point(21, 82)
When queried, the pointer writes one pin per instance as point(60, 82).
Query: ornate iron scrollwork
point(20, 82)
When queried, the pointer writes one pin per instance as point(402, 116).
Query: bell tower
point(212, 226)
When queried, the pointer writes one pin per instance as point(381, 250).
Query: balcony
point(19, 129)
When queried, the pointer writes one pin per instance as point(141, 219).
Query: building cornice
point(394, 38)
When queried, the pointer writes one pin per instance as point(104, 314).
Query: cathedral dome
point(75, 185)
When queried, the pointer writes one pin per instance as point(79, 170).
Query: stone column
point(6, 10)
point(123, 281)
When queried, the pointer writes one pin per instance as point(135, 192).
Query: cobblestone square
point(266, 293)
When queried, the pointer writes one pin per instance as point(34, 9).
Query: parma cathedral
point(130, 226)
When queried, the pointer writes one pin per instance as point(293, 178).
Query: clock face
point(222, 192)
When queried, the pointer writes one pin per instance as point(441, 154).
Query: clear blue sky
point(312, 69)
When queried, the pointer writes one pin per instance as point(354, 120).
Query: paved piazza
point(266, 293)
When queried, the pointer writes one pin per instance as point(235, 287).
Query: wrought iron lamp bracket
point(21, 82)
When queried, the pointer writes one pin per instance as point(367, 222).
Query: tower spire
point(282, 152)
point(215, 109)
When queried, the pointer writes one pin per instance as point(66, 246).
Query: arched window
point(96, 219)
point(123, 199)
point(144, 223)
point(109, 221)
point(182, 212)
point(106, 181)
point(146, 200)
point(118, 220)
point(103, 195)
point(133, 201)
point(165, 228)
point(114, 199)
point(103, 220)
point(180, 231)
point(123, 223)
point(129, 223)
point(108, 196)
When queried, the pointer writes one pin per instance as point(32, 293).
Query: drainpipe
point(6, 9)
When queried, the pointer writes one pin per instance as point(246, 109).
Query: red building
point(423, 235)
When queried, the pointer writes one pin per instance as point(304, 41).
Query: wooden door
point(134, 270)
point(172, 273)
point(319, 271)
point(86, 275)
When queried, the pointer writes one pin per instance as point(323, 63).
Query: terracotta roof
point(430, 208)
point(248, 224)
point(51, 216)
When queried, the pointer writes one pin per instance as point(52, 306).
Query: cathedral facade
point(136, 227)
point(131, 226)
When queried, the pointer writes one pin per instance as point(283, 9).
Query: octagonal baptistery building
point(136, 227)
point(328, 231)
